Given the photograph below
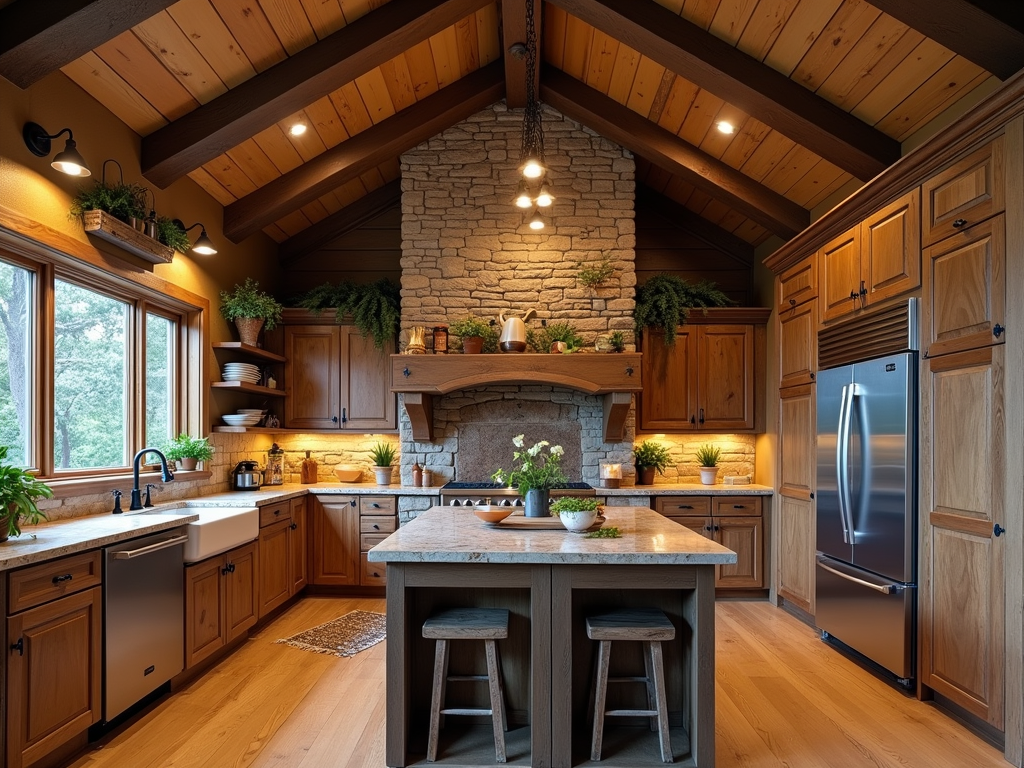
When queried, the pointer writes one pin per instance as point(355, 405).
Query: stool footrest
point(631, 713)
point(466, 678)
point(625, 679)
point(458, 711)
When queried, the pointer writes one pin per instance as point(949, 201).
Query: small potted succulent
point(250, 309)
point(18, 493)
point(383, 455)
point(188, 451)
point(473, 331)
point(707, 460)
point(648, 457)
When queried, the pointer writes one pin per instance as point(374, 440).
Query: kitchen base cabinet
point(796, 516)
point(797, 528)
point(299, 546)
point(53, 675)
point(283, 553)
point(220, 602)
point(335, 541)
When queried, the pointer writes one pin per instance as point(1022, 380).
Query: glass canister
point(611, 475)
point(275, 466)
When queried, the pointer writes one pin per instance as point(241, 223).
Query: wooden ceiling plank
point(282, 153)
point(173, 47)
point(251, 28)
point(446, 56)
point(211, 36)
point(421, 66)
point(138, 67)
point(290, 24)
point(325, 16)
point(646, 83)
point(293, 223)
point(801, 30)
point(275, 233)
point(964, 28)
point(315, 211)
point(214, 188)
point(299, 80)
point(254, 162)
point(602, 58)
point(230, 176)
point(841, 34)
point(351, 191)
point(951, 82)
point(714, 236)
point(826, 189)
point(766, 156)
point(398, 81)
point(822, 176)
point(661, 95)
point(38, 38)
point(337, 224)
point(330, 202)
point(764, 27)
point(744, 142)
point(745, 82)
point(677, 107)
point(623, 73)
point(488, 33)
point(324, 119)
point(578, 39)
point(356, 9)
point(717, 143)
point(927, 58)
point(106, 86)
point(311, 144)
point(365, 151)
point(375, 95)
point(751, 231)
point(880, 51)
point(731, 18)
point(796, 165)
point(699, 12)
point(701, 117)
point(636, 133)
point(349, 104)
point(467, 45)
point(553, 39)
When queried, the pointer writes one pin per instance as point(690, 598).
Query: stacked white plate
point(242, 419)
point(246, 372)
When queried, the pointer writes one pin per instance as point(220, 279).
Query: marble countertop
point(688, 489)
point(66, 537)
point(455, 535)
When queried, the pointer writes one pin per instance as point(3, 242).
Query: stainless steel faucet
point(165, 474)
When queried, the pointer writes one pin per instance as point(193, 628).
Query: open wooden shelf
point(105, 226)
point(286, 430)
point(242, 386)
point(250, 350)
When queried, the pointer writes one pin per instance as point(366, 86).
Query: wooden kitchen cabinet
point(964, 194)
point(275, 566)
point(735, 522)
point(798, 344)
point(54, 676)
point(710, 379)
point(299, 561)
point(962, 610)
point(876, 260)
point(335, 540)
point(798, 284)
point(220, 601)
point(336, 379)
point(796, 517)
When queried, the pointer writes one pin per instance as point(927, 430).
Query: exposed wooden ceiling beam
point(364, 151)
point(513, 30)
point(743, 81)
point(712, 234)
point(337, 224)
point(293, 84)
point(666, 150)
point(990, 42)
point(37, 38)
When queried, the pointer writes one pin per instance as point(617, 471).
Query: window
point(114, 379)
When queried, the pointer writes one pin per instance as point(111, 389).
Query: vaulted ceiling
point(820, 91)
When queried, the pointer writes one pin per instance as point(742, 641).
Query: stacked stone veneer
point(466, 249)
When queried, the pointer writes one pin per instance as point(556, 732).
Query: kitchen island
point(550, 581)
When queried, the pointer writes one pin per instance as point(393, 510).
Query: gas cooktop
point(470, 494)
point(491, 486)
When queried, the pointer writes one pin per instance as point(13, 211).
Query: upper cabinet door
point(669, 399)
point(964, 290)
point(891, 249)
point(726, 377)
point(798, 344)
point(367, 400)
point(839, 262)
point(312, 377)
point(798, 284)
point(966, 193)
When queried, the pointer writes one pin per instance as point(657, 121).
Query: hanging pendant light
point(544, 198)
point(531, 162)
point(522, 198)
point(536, 221)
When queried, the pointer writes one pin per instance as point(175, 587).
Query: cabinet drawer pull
point(376, 527)
point(229, 568)
point(686, 506)
point(376, 575)
point(277, 512)
point(701, 415)
point(352, 503)
point(60, 579)
point(334, 419)
point(739, 506)
point(19, 646)
point(294, 526)
point(959, 223)
point(707, 527)
point(997, 330)
point(375, 505)
point(998, 530)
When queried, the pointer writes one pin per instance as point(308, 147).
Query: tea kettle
point(246, 476)
point(513, 332)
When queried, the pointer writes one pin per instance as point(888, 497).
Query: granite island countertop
point(455, 535)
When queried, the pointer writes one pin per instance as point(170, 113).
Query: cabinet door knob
point(998, 530)
point(707, 527)
point(792, 302)
point(693, 419)
point(376, 575)
point(277, 512)
point(19, 646)
point(997, 330)
point(375, 505)
point(959, 223)
point(376, 527)
point(352, 503)
point(334, 419)
point(294, 526)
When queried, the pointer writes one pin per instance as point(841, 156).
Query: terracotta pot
point(187, 464)
point(473, 345)
point(249, 329)
point(645, 475)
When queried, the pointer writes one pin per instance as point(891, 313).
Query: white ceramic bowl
point(578, 521)
point(240, 419)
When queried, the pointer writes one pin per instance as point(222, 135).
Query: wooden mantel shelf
point(421, 377)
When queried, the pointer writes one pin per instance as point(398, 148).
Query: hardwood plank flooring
point(783, 699)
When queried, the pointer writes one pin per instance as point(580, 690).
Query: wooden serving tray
point(552, 523)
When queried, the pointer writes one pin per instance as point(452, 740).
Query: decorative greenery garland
point(665, 301)
point(376, 309)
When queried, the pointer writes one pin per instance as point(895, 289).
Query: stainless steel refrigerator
point(865, 575)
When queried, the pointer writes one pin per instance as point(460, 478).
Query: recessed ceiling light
point(298, 129)
point(725, 126)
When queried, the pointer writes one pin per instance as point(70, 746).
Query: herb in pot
point(573, 504)
point(18, 493)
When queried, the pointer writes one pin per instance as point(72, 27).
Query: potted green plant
point(536, 475)
point(383, 455)
point(707, 460)
point(18, 493)
point(188, 451)
point(617, 341)
point(648, 457)
point(250, 309)
point(554, 337)
point(665, 301)
point(125, 202)
point(375, 308)
point(473, 331)
point(576, 514)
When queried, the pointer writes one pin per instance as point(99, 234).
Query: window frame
point(146, 294)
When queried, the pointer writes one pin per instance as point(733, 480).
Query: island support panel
point(547, 659)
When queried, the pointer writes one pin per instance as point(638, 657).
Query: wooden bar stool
point(489, 625)
point(649, 626)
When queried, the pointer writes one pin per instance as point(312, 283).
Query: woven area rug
point(345, 636)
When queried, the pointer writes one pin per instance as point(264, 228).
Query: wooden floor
point(783, 699)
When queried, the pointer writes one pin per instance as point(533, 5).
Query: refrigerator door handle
point(885, 589)
point(843, 461)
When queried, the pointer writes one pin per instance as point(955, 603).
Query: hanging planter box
point(102, 224)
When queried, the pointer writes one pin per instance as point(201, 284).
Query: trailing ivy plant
point(665, 301)
point(594, 274)
point(376, 308)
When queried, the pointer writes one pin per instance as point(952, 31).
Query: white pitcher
point(513, 331)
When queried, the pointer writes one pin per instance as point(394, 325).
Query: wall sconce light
point(69, 161)
point(203, 244)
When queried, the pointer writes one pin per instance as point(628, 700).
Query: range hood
point(420, 377)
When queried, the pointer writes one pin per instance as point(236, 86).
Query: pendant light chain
point(533, 131)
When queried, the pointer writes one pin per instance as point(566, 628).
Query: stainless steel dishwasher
point(144, 593)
